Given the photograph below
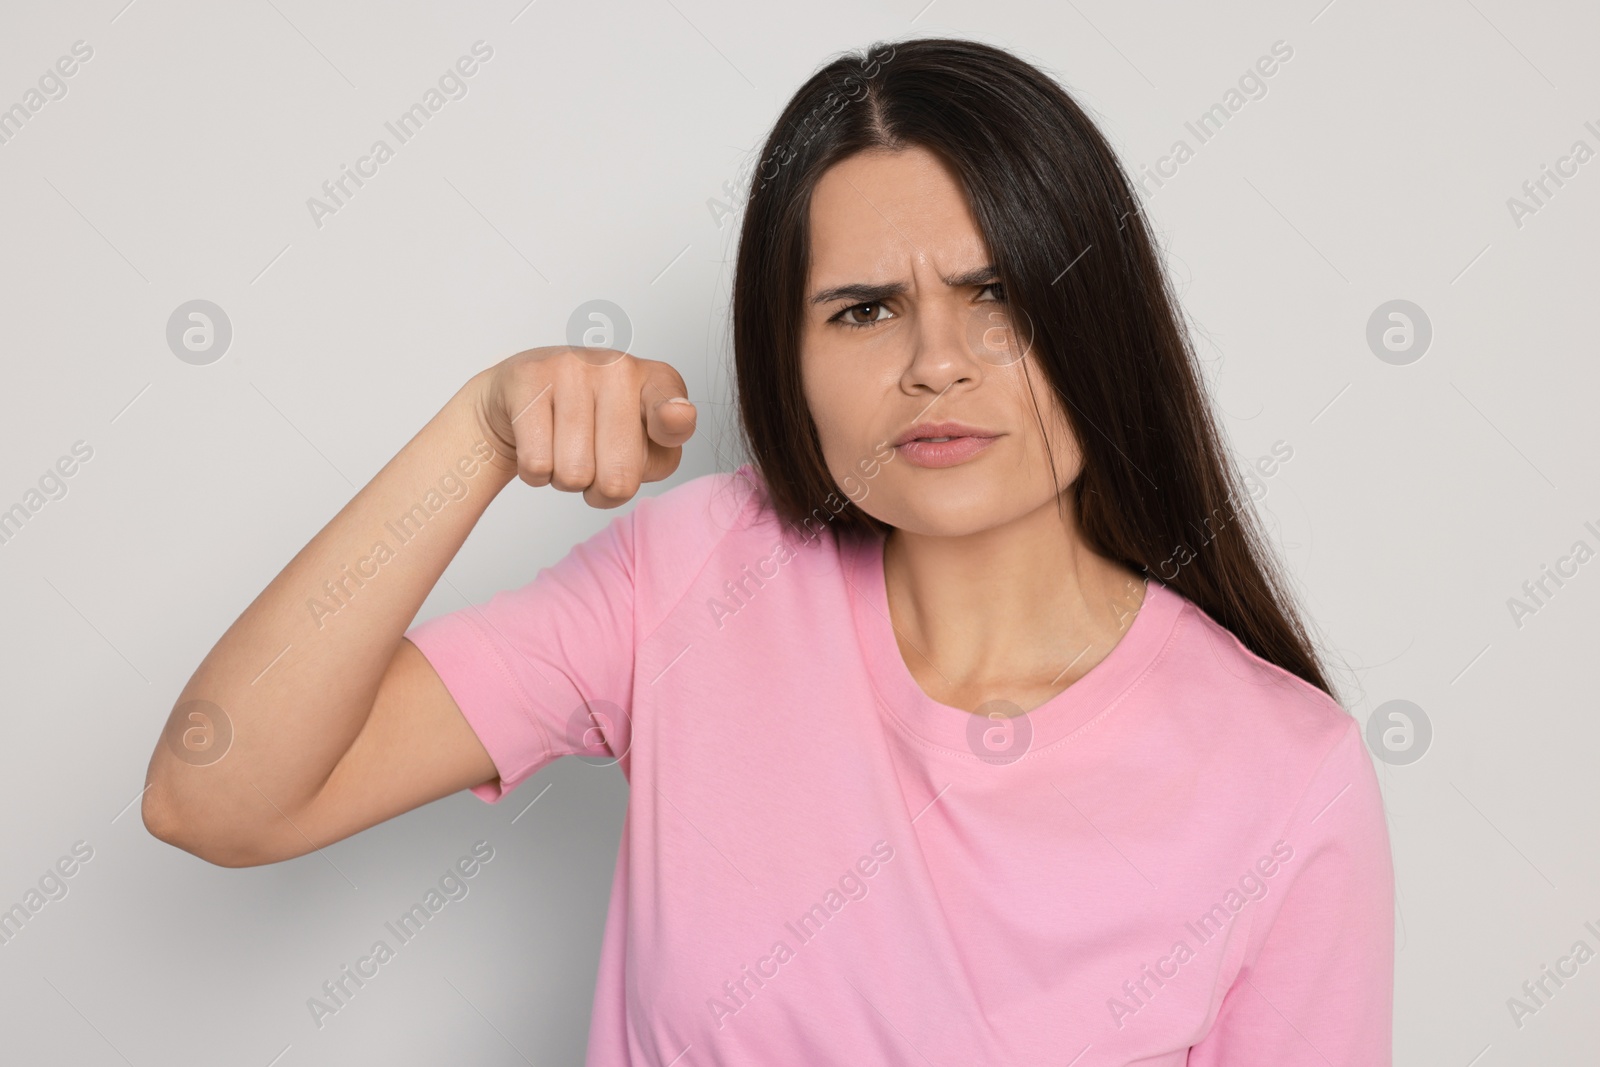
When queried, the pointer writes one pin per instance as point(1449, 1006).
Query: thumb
point(670, 421)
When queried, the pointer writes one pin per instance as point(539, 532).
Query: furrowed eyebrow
point(861, 293)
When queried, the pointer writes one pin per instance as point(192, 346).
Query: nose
point(942, 356)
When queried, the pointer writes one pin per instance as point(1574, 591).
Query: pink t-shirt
point(1180, 859)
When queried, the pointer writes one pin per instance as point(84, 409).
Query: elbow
point(164, 823)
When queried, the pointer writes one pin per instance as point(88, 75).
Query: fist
point(589, 420)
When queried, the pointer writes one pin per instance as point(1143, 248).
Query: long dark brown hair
point(1076, 262)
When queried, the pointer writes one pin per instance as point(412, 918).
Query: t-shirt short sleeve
point(1317, 982)
point(545, 670)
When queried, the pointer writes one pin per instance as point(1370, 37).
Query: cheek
point(840, 406)
point(815, 386)
point(838, 419)
point(1061, 448)
point(1062, 439)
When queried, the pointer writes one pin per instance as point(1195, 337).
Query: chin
point(932, 515)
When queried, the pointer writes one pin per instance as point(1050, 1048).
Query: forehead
point(875, 212)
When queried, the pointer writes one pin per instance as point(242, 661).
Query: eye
point(999, 292)
point(845, 316)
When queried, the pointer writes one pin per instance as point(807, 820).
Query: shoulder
point(1260, 721)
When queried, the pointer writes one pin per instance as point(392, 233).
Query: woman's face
point(905, 326)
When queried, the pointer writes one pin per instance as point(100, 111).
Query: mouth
point(942, 446)
point(941, 432)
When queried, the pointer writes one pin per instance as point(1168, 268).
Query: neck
point(1018, 611)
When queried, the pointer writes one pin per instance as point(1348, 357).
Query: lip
point(940, 429)
point(965, 442)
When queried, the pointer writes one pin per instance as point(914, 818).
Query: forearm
point(293, 678)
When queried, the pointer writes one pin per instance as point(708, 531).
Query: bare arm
point(312, 718)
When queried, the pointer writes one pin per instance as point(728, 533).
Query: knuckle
point(571, 478)
point(616, 484)
point(533, 473)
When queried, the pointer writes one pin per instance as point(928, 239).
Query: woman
point(966, 723)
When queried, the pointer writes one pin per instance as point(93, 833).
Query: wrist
point(478, 401)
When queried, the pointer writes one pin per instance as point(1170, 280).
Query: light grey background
point(585, 162)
